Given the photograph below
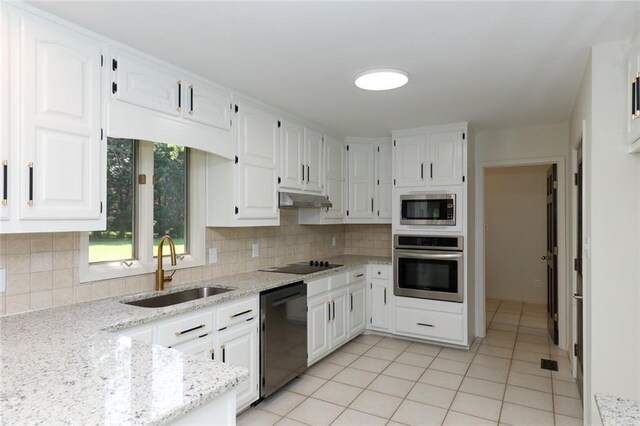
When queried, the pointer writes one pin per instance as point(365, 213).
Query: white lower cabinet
point(380, 290)
point(227, 333)
point(239, 346)
point(429, 324)
point(335, 314)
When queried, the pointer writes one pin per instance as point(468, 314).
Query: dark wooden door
point(578, 268)
point(552, 252)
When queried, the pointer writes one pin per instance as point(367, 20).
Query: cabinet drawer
point(317, 287)
point(338, 281)
point(236, 312)
point(356, 275)
point(185, 328)
point(380, 271)
point(429, 324)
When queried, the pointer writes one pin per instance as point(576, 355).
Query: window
point(153, 189)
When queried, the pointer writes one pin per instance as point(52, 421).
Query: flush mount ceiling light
point(382, 79)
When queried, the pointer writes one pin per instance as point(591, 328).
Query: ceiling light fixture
point(382, 79)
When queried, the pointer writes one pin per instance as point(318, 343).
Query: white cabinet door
point(207, 104)
point(313, 160)
point(258, 141)
point(4, 116)
point(361, 175)
point(446, 158)
point(238, 346)
point(148, 84)
point(357, 311)
point(409, 160)
point(334, 177)
point(291, 155)
point(202, 347)
point(60, 120)
point(379, 304)
point(318, 327)
point(383, 183)
point(339, 320)
point(633, 68)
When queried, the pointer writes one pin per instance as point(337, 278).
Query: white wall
point(612, 230)
point(515, 233)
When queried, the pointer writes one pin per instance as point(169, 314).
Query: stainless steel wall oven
point(429, 267)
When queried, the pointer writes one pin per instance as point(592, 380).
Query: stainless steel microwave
point(428, 209)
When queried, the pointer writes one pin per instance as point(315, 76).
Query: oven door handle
point(424, 254)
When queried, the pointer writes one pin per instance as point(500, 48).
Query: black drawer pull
point(385, 296)
point(30, 166)
point(351, 301)
point(334, 309)
point(421, 170)
point(5, 186)
point(241, 313)
point(308, 174)
point(359, 275)
point(431, 170)
point(191, 104)
point(179, 95)
point(180, 333)
point(425, 325)
point(302, 172)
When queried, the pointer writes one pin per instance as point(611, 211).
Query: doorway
point(540, 255)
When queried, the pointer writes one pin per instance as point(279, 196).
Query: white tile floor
point(374, 380)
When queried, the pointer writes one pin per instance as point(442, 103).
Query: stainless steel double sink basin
point(178, 297)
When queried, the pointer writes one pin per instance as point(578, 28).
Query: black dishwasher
point(283, 336)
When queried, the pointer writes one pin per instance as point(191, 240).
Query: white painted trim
point(563, 287)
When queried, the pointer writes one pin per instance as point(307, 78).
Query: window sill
point(114, 270)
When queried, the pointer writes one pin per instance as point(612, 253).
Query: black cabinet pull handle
point(303, 172)
point(329, 307)
point(359, 275)
point(385, 296)
point(191, 102)
point(308, 174)
point(334, 309)
point(633, 99)
point(180, 333)
point(5, 185)
point(224, 354)
point(179, 96)
point(240, 313)
point(372, 204)
point(431, 170)
point(422, 171)
point(351, 301)
point(637, 96)
point(424, 325)
point(213, 354)
point(30, 202)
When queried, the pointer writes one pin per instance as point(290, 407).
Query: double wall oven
point(429, 267)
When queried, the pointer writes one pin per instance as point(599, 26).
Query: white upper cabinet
point(361, 163)
point(313, 142)
point(147, 84)
point(207, 104)
point(431, 157)
point(291, 155)
point(409, 159)
point(383, 182)
point(257, 174)
point(446, 158)
point(4, 118)
point(334, 177)
point(56, 168)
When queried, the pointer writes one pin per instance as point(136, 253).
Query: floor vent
point(549, 364)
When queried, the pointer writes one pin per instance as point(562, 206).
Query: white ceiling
point(495, 64)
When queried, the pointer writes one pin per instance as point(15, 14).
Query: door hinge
point(463, 136)
point(279, 124)
point(394, 142)
point(114, 87)
point(378, 181)
point(236, 159)
point(114, 64)
point(575, 179)
point(575, 349)
point(555, 184)
point(347, 147)
point(236, 109)
point(555, 251)
point(279, 180)
point(378, 149)
point(394, 182)
point(462, 179)
point(100, 207)
point(237, 210)
point(347, 212)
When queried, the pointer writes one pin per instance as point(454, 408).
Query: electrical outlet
point(333, 241)
point(536, 284)
point(255, 250)
point(3, 280)
point(213, 255)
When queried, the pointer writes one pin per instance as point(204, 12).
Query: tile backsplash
point(42, 269)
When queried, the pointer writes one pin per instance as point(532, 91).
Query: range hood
point(293, 200)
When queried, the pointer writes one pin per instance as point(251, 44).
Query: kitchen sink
point(178, 297)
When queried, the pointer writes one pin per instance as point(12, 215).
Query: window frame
point(145, 262)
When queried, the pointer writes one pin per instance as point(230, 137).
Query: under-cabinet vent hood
point(292, 200)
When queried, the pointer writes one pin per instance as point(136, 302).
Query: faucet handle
point(170, 277)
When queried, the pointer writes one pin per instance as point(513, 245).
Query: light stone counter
point(618, 411)
point(63, 366)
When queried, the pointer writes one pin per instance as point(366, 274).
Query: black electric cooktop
point(302, 268)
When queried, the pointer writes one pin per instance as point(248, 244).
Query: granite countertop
point(64, 366)
point(618, 411)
